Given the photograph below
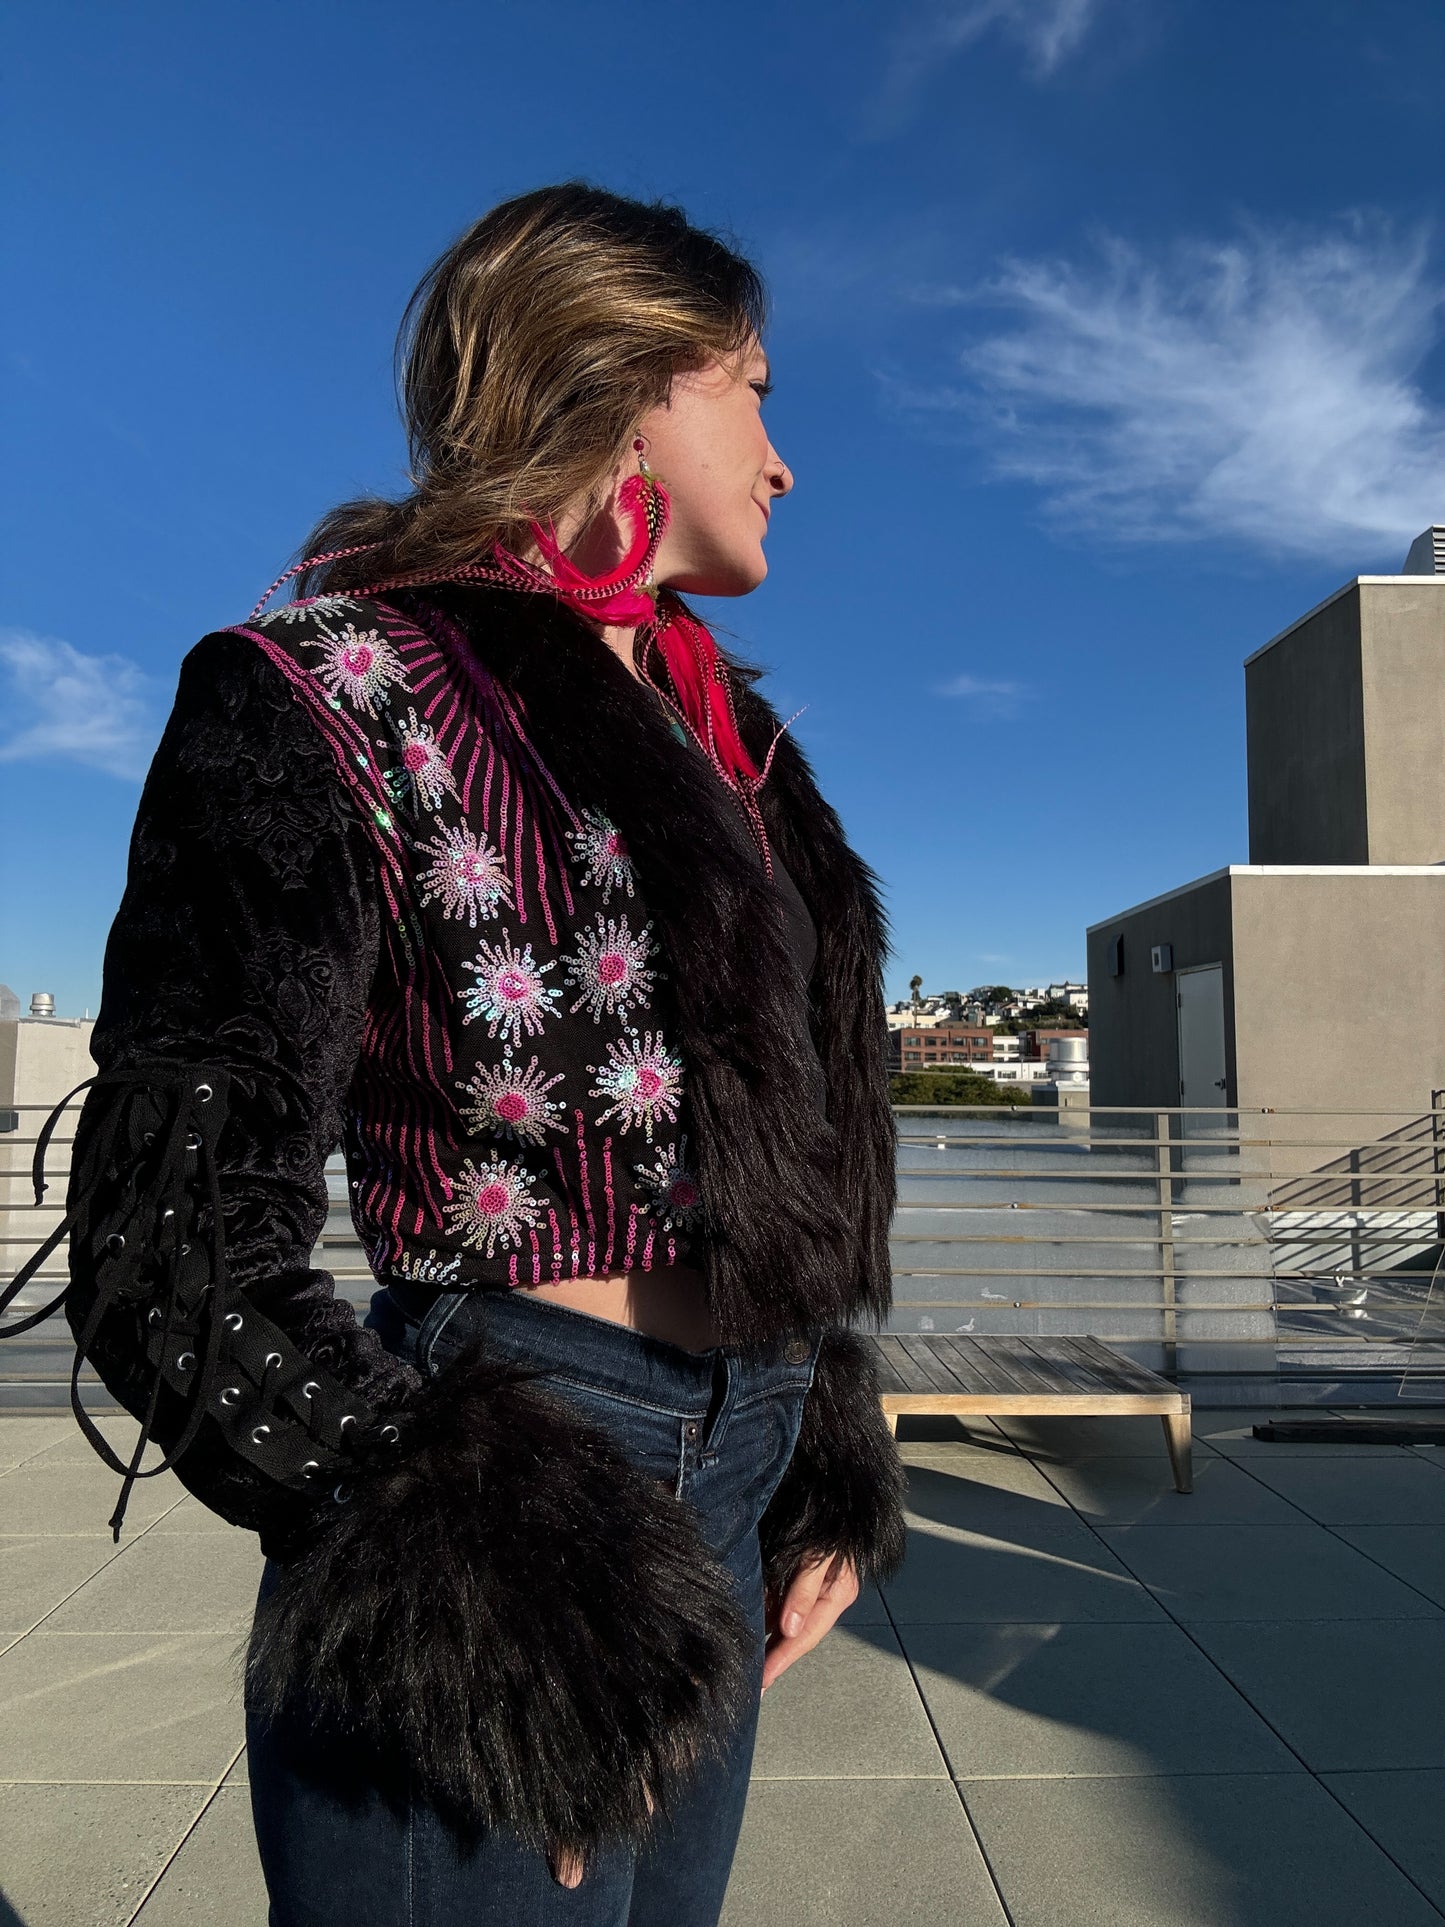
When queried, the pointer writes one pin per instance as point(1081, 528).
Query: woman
point(481, 860)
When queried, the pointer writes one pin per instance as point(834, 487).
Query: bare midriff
point(670, 1304)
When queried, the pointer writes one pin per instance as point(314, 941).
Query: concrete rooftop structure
point(1086, 1701)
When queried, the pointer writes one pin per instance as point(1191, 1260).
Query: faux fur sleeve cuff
point(843, 1490)
point(511, 1618)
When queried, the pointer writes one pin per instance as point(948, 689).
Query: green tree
point(953, 1085)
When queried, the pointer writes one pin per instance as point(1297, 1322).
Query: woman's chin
point(721, 579)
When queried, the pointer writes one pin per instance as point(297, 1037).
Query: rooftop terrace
point(1086, 1701)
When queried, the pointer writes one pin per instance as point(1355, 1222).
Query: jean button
point(689, 1431)
point(796, 1352)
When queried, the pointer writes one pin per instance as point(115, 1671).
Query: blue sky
point(1107, 341)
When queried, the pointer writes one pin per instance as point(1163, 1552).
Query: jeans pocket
point(445, 1331)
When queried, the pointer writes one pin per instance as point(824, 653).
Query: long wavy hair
point(525, 360)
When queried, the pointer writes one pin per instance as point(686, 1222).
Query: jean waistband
point(617, 1357)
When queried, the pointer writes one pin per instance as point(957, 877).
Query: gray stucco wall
point(1305, 738)
point(1133, 1026)
point(1402, 658)
point(1339, 991)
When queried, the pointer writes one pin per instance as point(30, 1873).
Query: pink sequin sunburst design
point(509, 994)
point(359, 664)
point(673, 1186)
point(643, 1080)
point(609, 968)
point(512, 1103)
point(491, 1205)
point(423, 767)
point(467, 876)
point(598, 847)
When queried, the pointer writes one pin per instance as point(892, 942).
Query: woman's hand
point(808, 1610)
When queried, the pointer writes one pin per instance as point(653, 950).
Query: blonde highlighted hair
point(527, 357)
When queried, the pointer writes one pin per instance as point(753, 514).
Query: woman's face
point(708, 447)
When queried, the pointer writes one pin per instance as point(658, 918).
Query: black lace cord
point(62, 1231)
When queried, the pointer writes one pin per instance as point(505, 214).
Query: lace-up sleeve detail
point(239, 966)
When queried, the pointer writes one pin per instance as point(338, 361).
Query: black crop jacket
point(421, 1608)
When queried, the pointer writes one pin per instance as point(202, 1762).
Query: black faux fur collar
point(798, 1203)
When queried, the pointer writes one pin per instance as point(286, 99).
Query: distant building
point(42, 1056)
point(920, 1046)
point(1312, 977)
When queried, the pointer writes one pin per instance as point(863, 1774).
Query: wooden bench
point(1029, 1377)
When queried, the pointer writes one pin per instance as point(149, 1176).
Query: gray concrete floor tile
point(22, 1437)
point(120, 1706)
point(858, 1853)
point(1261, 1572)
point(1415, 1554)
point(1207, 1850)
point(950, 1577)
point(1346, 1695)
point(1038, 1700)
point(1355, 1492)
point(119, 1430)
point(190, 1516)
point(1232, 1432)
point(37, 1574)
point(867, 1609)
point(1140, 1491)
point(1004, 1499)
point(216, 1876)
point(169, 1583)
point(1060, 1440)
point(78, 1499)
point(86, 1854)
point(1402, 1811)
point(848, 1709)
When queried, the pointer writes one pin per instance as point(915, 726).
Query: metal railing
point(1300, 1249)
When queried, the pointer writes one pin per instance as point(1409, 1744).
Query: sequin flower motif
point(609, 968)
point(359, 664)
point(491, 1205)
point(642, 1079)
point(509, 995)
point(432, 1269)
point(467, 876)
point(423, 774)
point(318, 608)
point(599, 849)
point(672, 1186)
point(509, 1102)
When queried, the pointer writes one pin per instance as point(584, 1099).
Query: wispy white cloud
point(1046, 31)
point(65, 705)
point(1265, 390)
point(989, 697)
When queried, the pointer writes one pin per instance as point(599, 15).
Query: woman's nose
point(780, 476)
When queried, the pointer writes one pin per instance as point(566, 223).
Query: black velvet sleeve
point(246, 941)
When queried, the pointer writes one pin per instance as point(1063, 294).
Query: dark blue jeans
point(719, 1427)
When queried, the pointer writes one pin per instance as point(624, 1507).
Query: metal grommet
point(260, 1434)
point(186, 1362)
point(204, 1093)
point(230, 1394)
point(149, 1138)
point(155, 1316)
point(193, 1140)
point(310, 1469)
point(185, 1250)
point(115, 1243)
point(310, 1388)
point(341, 1494)
point(272, 1358)
point(233, 1321)
point(168, 1214)
point(391, 1433)
point(689, 1431)
point(347, 1418)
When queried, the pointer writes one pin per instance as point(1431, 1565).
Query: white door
point(1202, 1080)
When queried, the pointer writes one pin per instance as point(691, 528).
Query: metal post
point(1164, 1165)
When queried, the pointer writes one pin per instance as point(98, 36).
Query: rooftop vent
point(42, 1004)
point(1427, 553)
